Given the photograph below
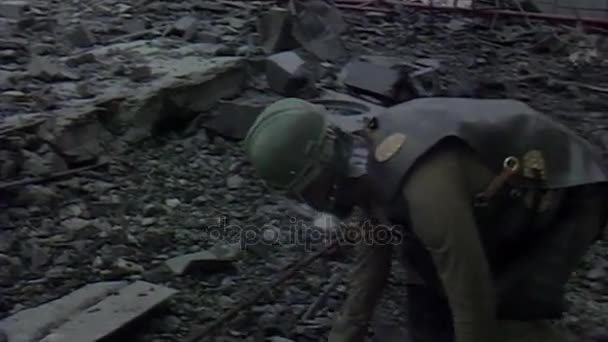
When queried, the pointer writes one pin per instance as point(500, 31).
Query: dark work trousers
point(531, 286)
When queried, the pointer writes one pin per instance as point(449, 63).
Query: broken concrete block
point(232, 119)
point(317, 26)
point(548, 42)
point(76, 133)
point(325, 12)
point(326, 222)
point(32, 324)
point(5, 80)
point(134, 25)
point(80, 37)
point(392, 82)
point(10, 163)
point(329, 47)
point(88, 314)
point(288, 74)
point(216, 259)
point(425, 82)
point(6, 28)
point(111, 314)
point(185, 27)
point(36, 195)
point(46, 69)
point(42, 165)
point(208, 37)
point(13, 9)
point(274, 28)
point(389, 85)
point(140, 73)
point(80, 59)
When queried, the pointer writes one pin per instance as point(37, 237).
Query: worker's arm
point(442, 217)
point(368, 279)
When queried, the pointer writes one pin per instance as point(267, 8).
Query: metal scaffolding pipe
point(365, 6)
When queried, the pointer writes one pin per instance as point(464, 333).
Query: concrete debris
point(317, 26)
point(216, 259)
point(425, 82)
point(186, 27)
point(80, 59)
point(81, 37)
point(235, 182)
point(5, 80)
point(275, 27)
point(37, 195)
point(41, 164)
point(76, 134)
point(46, 69)
point(548, 42)
point(208, 37)
point(13, 9)
point(125, 267)
point(289, 74)
point(87, 314)
point(134, 25)
point(388, 85)
point(81, 81)
point(391, 84)
point(233, 119)
point(10, 163)
point(76, 223)
point(140, 73)
point(326, 222)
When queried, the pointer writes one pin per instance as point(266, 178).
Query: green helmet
point(289, 144)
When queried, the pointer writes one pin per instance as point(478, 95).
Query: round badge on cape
point(389, 146)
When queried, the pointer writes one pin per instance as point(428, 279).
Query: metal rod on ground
point(51, 177)
point(489, 12)
point(201, 332)
point(320, 301)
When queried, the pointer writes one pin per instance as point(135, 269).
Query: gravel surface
point(177, 194)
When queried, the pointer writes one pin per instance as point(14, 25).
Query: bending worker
point(495, 204)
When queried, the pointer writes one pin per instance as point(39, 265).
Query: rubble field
point(127, 206)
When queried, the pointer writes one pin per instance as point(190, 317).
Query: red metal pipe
point(350, 4)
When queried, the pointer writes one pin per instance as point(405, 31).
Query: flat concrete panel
point(87, 314)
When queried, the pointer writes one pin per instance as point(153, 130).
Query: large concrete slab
point(137, 86)
point(88, 314)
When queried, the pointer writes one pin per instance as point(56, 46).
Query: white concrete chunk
point(32, 324)
point(112, 313)
point(212, 260)
point(86, 315)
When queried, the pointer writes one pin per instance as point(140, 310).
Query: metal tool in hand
point(510, 167)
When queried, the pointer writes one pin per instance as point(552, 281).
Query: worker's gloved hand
point(532, 331)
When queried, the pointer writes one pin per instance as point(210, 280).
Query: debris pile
point(123, 189)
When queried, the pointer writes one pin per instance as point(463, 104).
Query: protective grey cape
point(495, 129)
